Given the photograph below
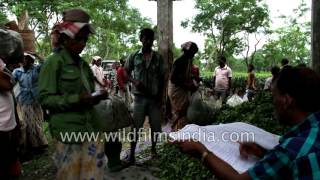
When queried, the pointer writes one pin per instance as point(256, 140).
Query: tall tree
point(292, 40)
point(223, 20)
point(116, 23)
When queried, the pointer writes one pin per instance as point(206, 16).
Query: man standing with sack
point(147, 68)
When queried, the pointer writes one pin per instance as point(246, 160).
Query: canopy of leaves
point(116, 23)
point(292, 41)
point(222, 20)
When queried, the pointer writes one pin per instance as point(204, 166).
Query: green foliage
point(292, 42)
point(222, 20)
point(259, 112)
point(3, 18)
point(239, 79)
point(117, 24)
point(176, 52)
point(240, 82)
point(183, 166)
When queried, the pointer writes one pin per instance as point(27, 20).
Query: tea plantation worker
point(181, 85)
point(29, 107)
point(251, 82)
point(66, 83)
point(222, 79)
point(275, 72)
point(297, 156)
point(11, 52)
point(122, 79)
point(196, 74)
point(148, 69)
point(98, 73)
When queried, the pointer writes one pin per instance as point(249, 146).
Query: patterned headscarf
point(71, 28)
point(73, 21)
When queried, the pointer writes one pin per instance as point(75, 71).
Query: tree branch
point(255, 48)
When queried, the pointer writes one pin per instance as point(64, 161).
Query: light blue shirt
point(28, 82)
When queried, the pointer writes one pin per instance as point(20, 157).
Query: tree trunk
point(315, 35)
point(165, 41)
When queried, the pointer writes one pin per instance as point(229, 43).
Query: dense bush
point(172, 165)
point(259, 112)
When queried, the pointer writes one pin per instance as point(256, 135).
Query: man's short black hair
point(222, 58)
point(275, 70)
point(284, 61)
point(303, 85)
point(146, 32)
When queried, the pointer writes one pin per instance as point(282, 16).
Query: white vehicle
point(108, 66)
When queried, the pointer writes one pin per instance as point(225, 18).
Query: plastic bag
point(235, 100)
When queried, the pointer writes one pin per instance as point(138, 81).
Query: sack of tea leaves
point(199, 111)
point(114, 114)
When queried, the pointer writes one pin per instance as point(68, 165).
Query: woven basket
point(29, 40)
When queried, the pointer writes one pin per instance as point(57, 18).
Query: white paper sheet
point(222, 140)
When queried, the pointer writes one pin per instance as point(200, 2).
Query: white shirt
point(7, 116)
point(98, 73)
point(267, 84)
point(222, 77)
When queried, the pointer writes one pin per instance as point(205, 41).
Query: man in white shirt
point(222, 79)
point(98, 73)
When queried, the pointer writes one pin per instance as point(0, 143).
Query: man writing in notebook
point(296, 100)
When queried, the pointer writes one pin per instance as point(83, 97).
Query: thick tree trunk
point(315, 35)
point(165, 30)
point(165, 40)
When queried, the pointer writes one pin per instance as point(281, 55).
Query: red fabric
point(195, 71)
point(122, 77)
point(15, 169)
